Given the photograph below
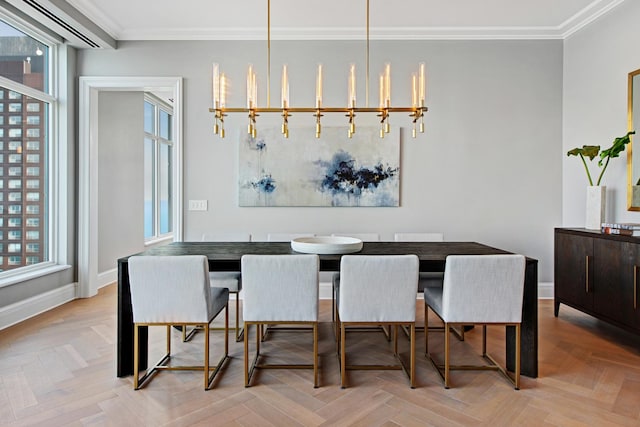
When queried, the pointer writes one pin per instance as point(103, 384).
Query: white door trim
point(89, 89)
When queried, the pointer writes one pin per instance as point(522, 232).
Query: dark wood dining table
point(225, 256)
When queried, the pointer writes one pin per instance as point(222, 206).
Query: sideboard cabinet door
point(574, 266)
point(614, 286)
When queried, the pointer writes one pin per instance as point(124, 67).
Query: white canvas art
point(334, 170)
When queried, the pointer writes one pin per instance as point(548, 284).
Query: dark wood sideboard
point(598, 274)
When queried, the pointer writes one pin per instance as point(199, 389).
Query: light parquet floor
point(59, 369)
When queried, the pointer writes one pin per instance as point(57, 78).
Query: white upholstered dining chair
point(175, 290)
point(228, 279)
point(335, 277)
point(279, 289)
point(377, 290)
point(478, 289)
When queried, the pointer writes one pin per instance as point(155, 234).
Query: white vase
point(596, 200)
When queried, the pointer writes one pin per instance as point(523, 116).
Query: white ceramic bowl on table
point(326, 245)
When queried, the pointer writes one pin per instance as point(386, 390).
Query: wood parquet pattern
point(58, 369)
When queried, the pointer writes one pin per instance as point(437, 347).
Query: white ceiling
point(342, 19)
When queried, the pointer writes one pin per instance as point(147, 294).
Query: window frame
point(157, 140)
point(57, 173)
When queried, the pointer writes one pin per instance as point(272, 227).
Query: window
point(158, 169)
point(27, 62)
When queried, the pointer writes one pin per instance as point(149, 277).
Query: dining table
point(226, 256)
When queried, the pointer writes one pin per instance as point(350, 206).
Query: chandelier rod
point(269, 53)
point(366, 98)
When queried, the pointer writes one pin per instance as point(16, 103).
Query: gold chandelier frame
point(416, 111)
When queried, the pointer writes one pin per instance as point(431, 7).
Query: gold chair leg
point(136, 355)
point(343, 356)
point(315, 355)
point(447, 363)
point(413, 355)
point(206, 356)
point(246, 354)
point(518, 355)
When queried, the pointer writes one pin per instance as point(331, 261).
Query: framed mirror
point(633, 161)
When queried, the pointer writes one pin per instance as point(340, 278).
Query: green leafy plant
point(593, 151)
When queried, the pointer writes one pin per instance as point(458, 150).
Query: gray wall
point(487, 169)
point(596, 63)
point(120, 177)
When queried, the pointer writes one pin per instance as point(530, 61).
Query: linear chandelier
point(416, 110)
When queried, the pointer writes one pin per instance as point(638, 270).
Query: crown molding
point(581, 19)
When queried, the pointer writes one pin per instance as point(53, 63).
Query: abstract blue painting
point(334, 170)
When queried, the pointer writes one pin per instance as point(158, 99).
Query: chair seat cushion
point(219, 298)
point(226, 279)
point(433, 298)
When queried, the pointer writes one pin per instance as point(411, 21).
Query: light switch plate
point(197, 205)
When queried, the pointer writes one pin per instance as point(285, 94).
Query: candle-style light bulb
point(285, 87)
point(223, 90)
point(250, 80)
point(319, 87)
point(422, 85)
point(352, 86)
point(387, 85)
point(414, 90)
point(215, 86)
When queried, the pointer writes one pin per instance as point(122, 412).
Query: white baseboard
point(545, 290)
point(107, 277)
point(23, 310)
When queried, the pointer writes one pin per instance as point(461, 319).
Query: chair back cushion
point(282, 288)
point(483, 288)
point(380, 288)
point(170, 289)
